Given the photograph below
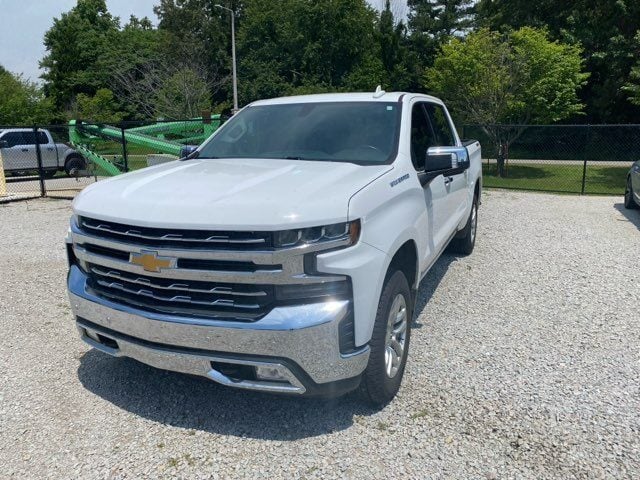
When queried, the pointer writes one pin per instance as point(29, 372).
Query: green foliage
point(433, 22)
point(632, 87)
point(101, 107)
point(294, 46)
point(606, 31)
point(198, 31)
point(397, 60)
point(183, 95)
point(304, 46)
point(75, 43)
point(521, 78)
point(22, 102)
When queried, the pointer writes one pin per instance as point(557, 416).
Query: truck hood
point(227, 194)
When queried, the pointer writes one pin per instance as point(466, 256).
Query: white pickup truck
point(285, 253)
point(18, 152)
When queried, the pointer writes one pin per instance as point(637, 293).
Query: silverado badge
point(151, 262)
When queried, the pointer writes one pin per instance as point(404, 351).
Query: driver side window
point(421, 136)
point(443, 134)
point(13, 139)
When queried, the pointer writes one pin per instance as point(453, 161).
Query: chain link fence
point(61, 160)
point(585, 159)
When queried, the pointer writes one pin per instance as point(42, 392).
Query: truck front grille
point(204, 274)
point(204, 299)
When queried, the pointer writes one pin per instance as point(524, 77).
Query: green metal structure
point(163, 137)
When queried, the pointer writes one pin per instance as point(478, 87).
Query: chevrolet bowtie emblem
point(151, 262)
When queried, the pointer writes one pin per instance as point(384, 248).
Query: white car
point(18, 150)
point(285, 253)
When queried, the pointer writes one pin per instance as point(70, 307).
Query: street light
point(233, 55)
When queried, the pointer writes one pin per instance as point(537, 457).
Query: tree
point(300, 46)
point(433, 22)
point(606, 31)
point(632, 87)
point(74, 44)
point(396, 58)
point(101, 107)
point(519, 79)
point(166, 72)
point(163, 89)
point(199, 31)
point(22, 102)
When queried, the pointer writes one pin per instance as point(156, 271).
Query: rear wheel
point(389, 342)
point(629, 201)
point(73, 164)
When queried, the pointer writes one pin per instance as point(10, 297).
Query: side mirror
point(446, 158)
point(187, 150)
point(4, 144)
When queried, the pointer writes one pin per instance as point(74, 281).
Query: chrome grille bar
point(182, 287)
point(213, 239)
point(221, 302)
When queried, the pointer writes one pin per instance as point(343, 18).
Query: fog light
point(272, 373)
point(92, 335)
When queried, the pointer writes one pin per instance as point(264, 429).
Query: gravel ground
point(524, 363)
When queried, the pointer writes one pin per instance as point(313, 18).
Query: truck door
point(456, 185)
point(48, 151)
point(435, 192)
point(16, 155)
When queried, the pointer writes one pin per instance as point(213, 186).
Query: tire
point(464, 242)
point(382, 378)
point(629, 201)
point(74, 163)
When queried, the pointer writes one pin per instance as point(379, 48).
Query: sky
point(23, 24)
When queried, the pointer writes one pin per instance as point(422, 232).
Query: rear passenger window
point(443, 133)
point(42, 138)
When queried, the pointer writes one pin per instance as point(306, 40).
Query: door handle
point(448, 180)
point(50, 149)
point(24, 150)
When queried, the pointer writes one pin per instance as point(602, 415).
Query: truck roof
point(19, 129)
point(343, 97)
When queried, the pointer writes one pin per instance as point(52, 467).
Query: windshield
point(358, 132)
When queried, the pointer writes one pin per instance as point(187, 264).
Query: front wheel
point(389, 341)
point(466, 239)
point(629, 201)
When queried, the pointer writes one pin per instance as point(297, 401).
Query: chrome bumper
point(300, 342)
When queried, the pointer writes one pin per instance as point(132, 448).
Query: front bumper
point(300, 342)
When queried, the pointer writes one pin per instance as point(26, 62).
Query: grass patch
point(382, 426)
point(558, 178)
point(419, 414)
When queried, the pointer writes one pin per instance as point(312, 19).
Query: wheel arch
point(405, 259)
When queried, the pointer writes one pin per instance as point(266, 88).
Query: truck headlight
point(349, 231)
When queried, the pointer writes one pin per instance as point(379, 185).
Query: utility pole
point(233, 55)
